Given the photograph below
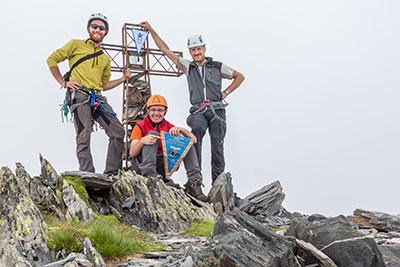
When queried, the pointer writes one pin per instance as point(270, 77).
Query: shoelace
point(196, 186)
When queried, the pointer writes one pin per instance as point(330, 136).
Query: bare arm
point(55, 71)
point(238, 78)
point(160, 43)
point(114, 83)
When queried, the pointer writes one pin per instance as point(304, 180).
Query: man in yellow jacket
point(85, 85)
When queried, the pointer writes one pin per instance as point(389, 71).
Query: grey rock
point(394, 234)
point(355, 252)
point(22, 230)
point(145, 262)
point(49, 174)
point(188, 262)
point(156, 255)
point(221, 194)
point(318, 255)
point(76, 207)
point(92, 255)
point(73, 260)
point(240, 240)
point(265, 205)
point(90, 179)
point(153, 206)
point(378, 220)
point(391, 254)
point(321, 233)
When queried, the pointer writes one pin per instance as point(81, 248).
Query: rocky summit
point(157, 221)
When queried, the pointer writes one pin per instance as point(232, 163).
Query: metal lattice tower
point(138, 89)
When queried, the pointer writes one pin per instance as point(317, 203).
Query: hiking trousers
point(83, 116)
point(150, 162)
point(200, 122)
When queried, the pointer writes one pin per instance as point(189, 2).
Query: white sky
point(319, 109)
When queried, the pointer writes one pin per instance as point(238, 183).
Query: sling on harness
point(208, 103)
point(92, 98)
point(67, 102)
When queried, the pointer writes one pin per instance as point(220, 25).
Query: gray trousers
point(83, 115)
point(150, 162)
point(199, 122)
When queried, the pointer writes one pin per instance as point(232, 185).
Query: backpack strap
point(68, 74)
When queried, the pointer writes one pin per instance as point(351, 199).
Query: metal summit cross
point(136, 92)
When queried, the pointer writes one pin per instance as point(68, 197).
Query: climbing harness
point(208, 103)
point(93, 100)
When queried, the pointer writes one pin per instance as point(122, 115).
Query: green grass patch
point(110, 238)
point(200, 228)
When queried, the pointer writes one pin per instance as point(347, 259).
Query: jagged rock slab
point(22, 231)
point(40, 192)
point(76, 207)
point(321, 232)
point(265, 205)
point(90, 179)
point(49, 174)
point(240, 240)
point(391, 254)
point(354, 252)
point(92, 255)
point(221, 194)
point(317, 254)
point(73, 260)
point(378, 220)
point(154, 206)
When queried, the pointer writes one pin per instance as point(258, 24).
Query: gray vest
point(210, 79)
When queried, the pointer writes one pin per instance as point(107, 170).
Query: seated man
point(146, 149)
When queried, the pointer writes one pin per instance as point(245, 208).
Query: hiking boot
point(193, 188)
point(170, 182)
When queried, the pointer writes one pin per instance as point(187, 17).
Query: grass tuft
point(200, 228)
point(111, 238)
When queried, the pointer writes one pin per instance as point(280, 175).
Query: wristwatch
point(226, 92)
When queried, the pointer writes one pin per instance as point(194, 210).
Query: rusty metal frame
point(153, 65)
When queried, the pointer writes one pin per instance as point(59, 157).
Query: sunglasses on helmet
point(95, 26)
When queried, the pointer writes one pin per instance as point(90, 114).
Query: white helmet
point(100, 17)
point(196, 40)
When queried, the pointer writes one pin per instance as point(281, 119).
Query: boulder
point(378, 220)
point(240, 240)
point(391, 254)
point(265, 205)
point(23, 233)
point(49, 174)
point(154, 206)
point(43, 196)
point(354, 252)
point(90, 179)
point(76, 207)
point(321, 232)
point(221, 194)
point(315, 254)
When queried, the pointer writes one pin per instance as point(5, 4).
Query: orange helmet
point(156, 100)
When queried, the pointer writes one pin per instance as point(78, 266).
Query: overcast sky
point(318, 111)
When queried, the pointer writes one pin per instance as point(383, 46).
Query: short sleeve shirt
point(183, 65)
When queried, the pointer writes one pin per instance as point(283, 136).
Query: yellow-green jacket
point(92, 73)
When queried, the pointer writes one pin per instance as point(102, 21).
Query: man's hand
point(74, 85)
point(146, 26)
point(175, 131)
point(224, 95)
point(127, 73)
point(149, 139)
